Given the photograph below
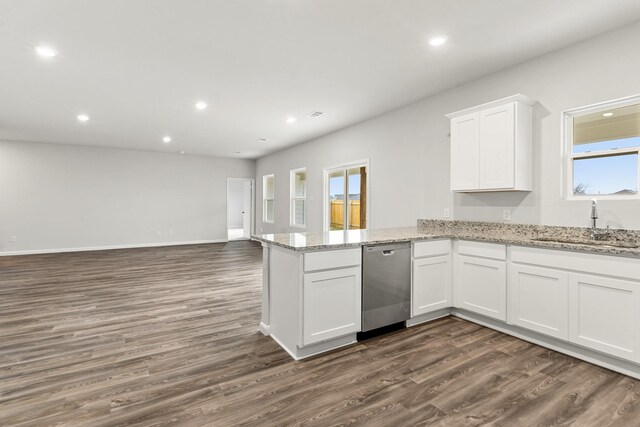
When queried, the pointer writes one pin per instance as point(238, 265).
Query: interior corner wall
point(56, 197)
point(408, 148)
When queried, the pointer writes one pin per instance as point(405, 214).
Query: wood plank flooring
point(168, 336)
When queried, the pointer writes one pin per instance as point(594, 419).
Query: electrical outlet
point(13, 239)
point(446, 213)
point(506, 214)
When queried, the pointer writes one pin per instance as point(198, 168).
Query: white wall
point(235, 203)
point(409, 148)
point(61, 196)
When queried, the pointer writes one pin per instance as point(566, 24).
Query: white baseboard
point(105, 248)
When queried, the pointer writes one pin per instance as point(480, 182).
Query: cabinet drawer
point(332, 259)
point(432, 248)
point(484, 250)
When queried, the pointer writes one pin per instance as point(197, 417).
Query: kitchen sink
point(603, 243)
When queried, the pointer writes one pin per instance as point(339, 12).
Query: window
point(346, 197)
point(268, 197)
point(298, 192)
point(602, 145)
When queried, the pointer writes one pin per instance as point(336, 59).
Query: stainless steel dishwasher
point(386, 285)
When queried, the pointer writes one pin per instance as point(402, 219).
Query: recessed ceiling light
point(201, 105)
point(608, 114)
point(181, 151)
point(437, 41)
point(166, 139)
point(46, 51)
point(290, 120)
point(262, 139)
point(83, 118)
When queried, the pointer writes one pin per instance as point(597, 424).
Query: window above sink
point(602, 146)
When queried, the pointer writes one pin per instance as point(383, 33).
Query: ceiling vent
point(315, 114)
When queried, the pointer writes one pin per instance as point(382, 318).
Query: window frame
point(326, 226)
point(265, 220)
point(569, 156)
point(293, 198)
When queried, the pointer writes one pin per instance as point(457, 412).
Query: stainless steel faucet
point(594, 217)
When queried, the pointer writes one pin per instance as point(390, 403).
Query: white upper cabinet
point(466, 151)
point(491, 146)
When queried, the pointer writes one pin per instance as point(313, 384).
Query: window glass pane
point(355, 208)
point(268, 187)
point(336, 200)
point(606, 175)
point(616, 124)
point(607, 145)
point(268, 210)
point(298, 212)
point(300, 184)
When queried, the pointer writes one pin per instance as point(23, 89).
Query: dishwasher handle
point(388, 252)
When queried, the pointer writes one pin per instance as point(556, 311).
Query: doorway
point(239, 208)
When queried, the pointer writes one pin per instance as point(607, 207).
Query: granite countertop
point(345, 239)
point(618, 242)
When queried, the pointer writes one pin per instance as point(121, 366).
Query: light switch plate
point(506, 214)
point(446, 213)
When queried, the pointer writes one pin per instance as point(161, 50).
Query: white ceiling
point(138, 67)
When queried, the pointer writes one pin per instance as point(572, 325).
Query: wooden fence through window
point(337, 214)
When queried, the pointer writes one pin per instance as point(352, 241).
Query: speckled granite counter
point(618, 242)
point(344, 239)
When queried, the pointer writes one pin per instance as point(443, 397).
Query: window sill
point(601, 197)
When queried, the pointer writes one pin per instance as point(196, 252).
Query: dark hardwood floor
point(168, 336)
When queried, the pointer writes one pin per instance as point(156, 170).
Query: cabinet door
point(431, 284)
point(331, 304)
point(604, 315)
point(464, 152)
point(539, 300)
point(497, 147)
point(481, 286)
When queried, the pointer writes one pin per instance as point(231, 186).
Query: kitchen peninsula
point(544, 284)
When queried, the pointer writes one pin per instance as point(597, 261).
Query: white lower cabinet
point(604, 315)
point(431, 284)
point(538, 300)
point(331, 304)
point(481, 286)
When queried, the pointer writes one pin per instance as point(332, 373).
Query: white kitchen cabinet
point(431, 277)
point(538, 299)
point(604, 315)
point(491, 146)
point(466, 152)
point(331, 304)
point(431, 284)
point(481, 279)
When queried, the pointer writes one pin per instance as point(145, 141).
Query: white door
point(604, 315)
point(539, 300)
point(239, 208)
point(464, 152)
point(431, 281)
point(246, 208)
point(481, 286)
point(332, 304)
point(497, 147)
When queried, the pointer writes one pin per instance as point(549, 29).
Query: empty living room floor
point(169, 336)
